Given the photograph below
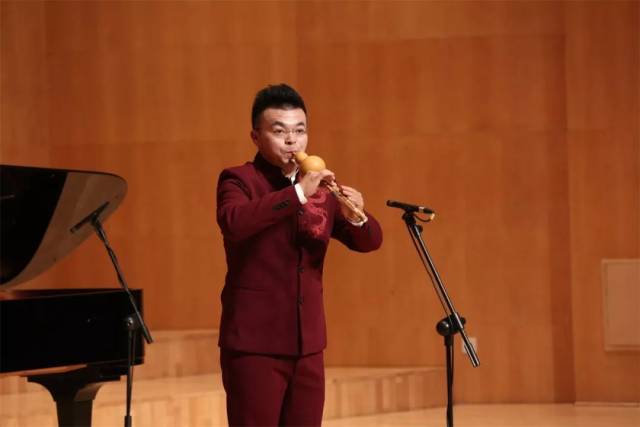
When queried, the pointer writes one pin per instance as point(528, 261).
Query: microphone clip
point(410, 209)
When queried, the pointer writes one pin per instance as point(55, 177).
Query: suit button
point(300, 300)
point(300, 269)
point(300, 212)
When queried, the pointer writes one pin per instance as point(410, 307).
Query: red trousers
point(267, 390)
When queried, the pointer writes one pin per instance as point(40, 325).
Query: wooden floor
point(199, 402)
point(511, 415)
point(180, 386)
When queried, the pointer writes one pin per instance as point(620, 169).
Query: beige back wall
point(516, 121)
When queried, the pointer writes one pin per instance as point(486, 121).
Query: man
point(276, 227)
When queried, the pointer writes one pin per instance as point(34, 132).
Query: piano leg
point(74, 392)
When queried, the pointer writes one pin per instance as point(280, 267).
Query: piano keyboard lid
point(46, 213)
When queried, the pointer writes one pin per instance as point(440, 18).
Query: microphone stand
point(453, 322)
point(133, 322)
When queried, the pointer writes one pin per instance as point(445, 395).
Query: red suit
point(275, 248)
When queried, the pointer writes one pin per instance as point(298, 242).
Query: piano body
point(68, 340)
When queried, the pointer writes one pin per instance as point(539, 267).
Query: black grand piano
point(68, 340)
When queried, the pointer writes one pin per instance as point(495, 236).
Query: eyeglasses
point(281, 133)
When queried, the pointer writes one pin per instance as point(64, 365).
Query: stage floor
point(511, 415)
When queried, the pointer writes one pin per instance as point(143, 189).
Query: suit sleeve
point(366, 238)
point(240, 215)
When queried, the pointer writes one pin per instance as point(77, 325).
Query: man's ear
point(254, 136)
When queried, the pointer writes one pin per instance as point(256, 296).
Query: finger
point(356, 197)
point(357, 200)
point(327, 175)
point(319, 175)
point(347, 188)
point(359, 203)
point(351, 193)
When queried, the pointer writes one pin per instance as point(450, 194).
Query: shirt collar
point(273, 173)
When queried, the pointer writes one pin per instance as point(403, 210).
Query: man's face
point(281, 133)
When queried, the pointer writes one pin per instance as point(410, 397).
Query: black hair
point(275, 96)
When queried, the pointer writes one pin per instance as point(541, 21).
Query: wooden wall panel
point(23, 120)
point(159, 93)
point(471, 122)
point(493, 113)
point(603, 63)
point(621, 304)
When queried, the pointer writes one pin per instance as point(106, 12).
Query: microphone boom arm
point(453, 322)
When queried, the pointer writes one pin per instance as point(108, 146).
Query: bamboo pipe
point(308, 163)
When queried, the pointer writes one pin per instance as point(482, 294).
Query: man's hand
point(356, 198)
point(312, 180)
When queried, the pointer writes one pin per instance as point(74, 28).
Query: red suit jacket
point(275, 249)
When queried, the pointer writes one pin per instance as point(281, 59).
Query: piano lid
point(42, 213)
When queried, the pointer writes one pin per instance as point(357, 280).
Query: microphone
point(407, 207)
